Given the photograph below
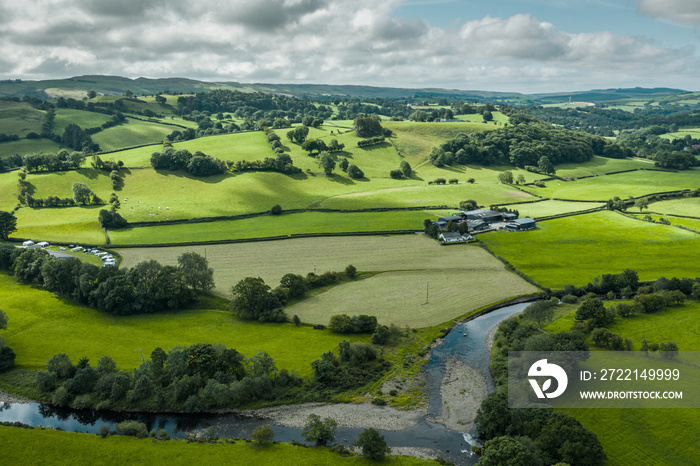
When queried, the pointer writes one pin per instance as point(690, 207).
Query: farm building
point(453, 237)
point(443, 221)
point(487, 215)
point(28, 243)
point(477, 225)
point(521, 224)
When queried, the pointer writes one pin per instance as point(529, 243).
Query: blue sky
point(497, 45)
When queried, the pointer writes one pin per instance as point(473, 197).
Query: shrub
point(276, 209)
point(262, 434)
point(354, 172)
point(396, 174)
point(132, 429)
point(350, 271)
point(569, 299)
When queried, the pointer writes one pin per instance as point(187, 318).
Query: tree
point(295, 284)
point(343, 164)
point(510, 451)
point(252, 300)
point(198, 275)
point(354, 172)
point(418, 115)
point(405, 167)
point(276, 210)
point(545, 165)
point(668, 349)
point(521, 179)
point(368, 126)
point(593, 309)
point(82, 194)
point(3, 320)
point(506, 177)
point(469, 204)
point(642, 203)
point(262, 434)
point(319, 431)
point(8, 224)
point(540, 311)
point(373, 444)
point(325, 160)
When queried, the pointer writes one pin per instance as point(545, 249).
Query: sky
point(497, 45)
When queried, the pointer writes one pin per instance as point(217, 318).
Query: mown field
point(546, 208)
point(39, 446)
point(574, 250)
point(41, 325)
point(692, 223)
point(601, 166)
point(462, 277)
point(647, 436)
point(66, 116)
point(28, 146)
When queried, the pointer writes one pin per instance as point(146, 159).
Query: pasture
point(574, 250)
point(600, 166)
point(464, 277)
point(19, 118)
point(623, 185)
point(692, 223)
point(66, 225)
point(41, 325)
point(689, 206)
point(546, 208)
point(29, 146)
point(260, 227)
point(131, 133)
point(84, 119)
point(47, 446)
point(646, 436)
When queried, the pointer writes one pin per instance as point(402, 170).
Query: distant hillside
point(78, 86)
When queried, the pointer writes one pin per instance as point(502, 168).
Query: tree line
point(145, 288)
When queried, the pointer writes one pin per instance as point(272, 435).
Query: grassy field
point(38, 446)
point(66, 225)
point(545, 208)
point(84, 119)
point(636, 183)
point(41, 325)
point(646, 436)
point(409, 261)
point(692, 223)
point(131, 133)
point(601, 166)
point(689, 206)
point(577, 249)
point(260, 227)
point(694, 132)
point(28, 146)
point(400, 297)
point(19, 118)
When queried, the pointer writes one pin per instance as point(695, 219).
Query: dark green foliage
point(8, 224)
point(604, 338)
point(540, 311)
point(132, 428)
point(319, 431)
point(372, 444)
point(354, 172)
point(111, 220)
point(262, 434)
point(252, 300)
point(405, 168)
point(326, 161)
point(298, 134)
point(370, 141)
point(198, 164)
point(276, 210)
point(83, 195)
point(519, 451)
point(594, 310)
point(342, 323)
point(61, 365)
point(396, 174)
point(197, 273)
point(368, 126)
point(295, 284)
point(78, 139)
point(7, 358)
point(668, 349)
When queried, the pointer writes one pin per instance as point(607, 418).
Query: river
point(454, 445)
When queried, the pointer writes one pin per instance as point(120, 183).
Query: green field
point(19, 118)
point(260, 227)
point(601, 166)
point(692, 223)
point(65, 225)
point(46, 446)
point(546, 208)
point(623, 185)
point(689, 206)
point(84, 119)
point(131, 133)
point(574, 250)
point(646, 436)
point(41, 325)
point(28, 146)
point(410, 261)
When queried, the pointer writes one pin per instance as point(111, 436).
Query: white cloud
point(679, 11)
point(320, 41)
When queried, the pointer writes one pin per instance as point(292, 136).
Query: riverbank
point(462, 390)
point(10, 398)
point(352, 415)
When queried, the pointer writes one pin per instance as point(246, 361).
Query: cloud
point(320, 41)
point(678, 11)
